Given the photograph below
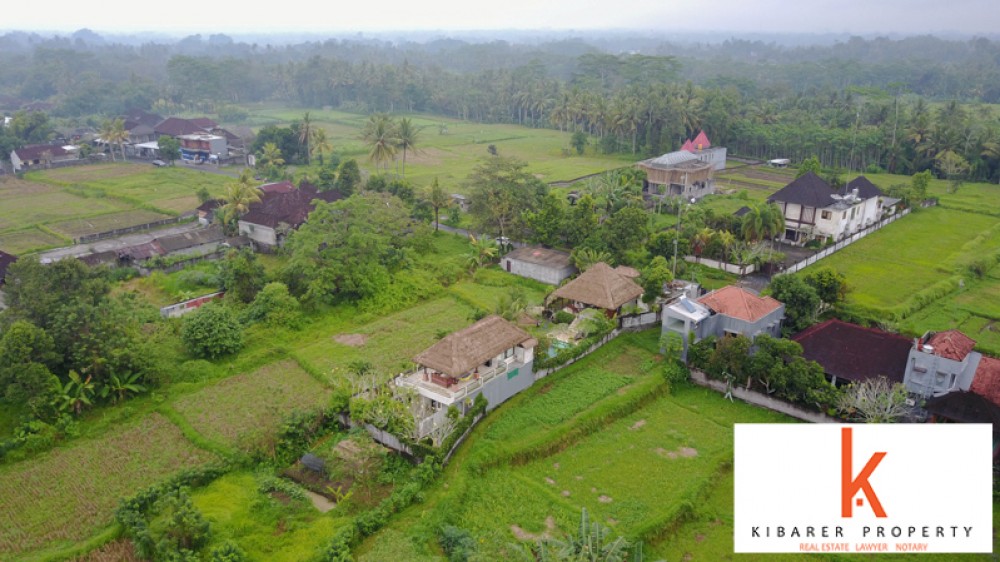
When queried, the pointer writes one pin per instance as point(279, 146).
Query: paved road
point(117, 243)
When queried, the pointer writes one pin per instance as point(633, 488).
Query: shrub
point(457, 543)
point(274, 306)
point(212, 331)
point(227, 552)
point(563, 317)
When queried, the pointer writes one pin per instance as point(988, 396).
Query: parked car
point(159, 163)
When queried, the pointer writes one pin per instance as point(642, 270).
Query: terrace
point(448, 390)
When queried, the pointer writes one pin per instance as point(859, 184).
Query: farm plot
point(241, 409)
point(27, 240)
point(887, 267)
point(67, 495)
point(170, 189)
point(272, 527)
point(389, 342)
point(24, 203)
point(974, 309)
point(450, 148)
point(75, 228)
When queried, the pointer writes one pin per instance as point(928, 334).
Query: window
point(508, 353)
point(845, 215)
point(827, 215)
point(854, 210)
point(954, 377)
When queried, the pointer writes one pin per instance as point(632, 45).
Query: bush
point(274, 306)
point(213, 331)
point(457, 543)
point(563, 317)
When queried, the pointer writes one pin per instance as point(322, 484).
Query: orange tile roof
point(986, 383)
point(951, 344)
point(739, 303)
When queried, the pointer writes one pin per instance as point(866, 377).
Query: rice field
point(69, 494)
point(74, 228)
point(241, 409)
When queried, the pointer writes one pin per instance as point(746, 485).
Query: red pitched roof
point(688, 146)
point(701, 141)
point(986, 383)
point(280, 205)
point(36, 151)
point(279, 187)
point(951, 344)
point(204, 122)
point(852, 352)
point(739, 303)
point(175, 126)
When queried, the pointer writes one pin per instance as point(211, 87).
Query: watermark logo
point(850, 485)
point(899, 488)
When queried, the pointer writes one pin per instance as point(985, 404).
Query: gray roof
point(541, 256)
point(190, 239)
point(671, 159)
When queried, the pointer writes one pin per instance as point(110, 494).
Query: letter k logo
point(849, 486)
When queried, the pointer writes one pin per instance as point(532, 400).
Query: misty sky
point(788, 16)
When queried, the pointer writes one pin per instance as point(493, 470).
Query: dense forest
point(902, 105)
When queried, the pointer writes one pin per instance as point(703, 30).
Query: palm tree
point(381, 138)
point(240, 194)
point(583, 258)
point(726, 240)
point(320, 144)
point(113, 132)
point(438, 199)
point(305, 134)
point(483, 252)
point(271, 158)
point(407, 136)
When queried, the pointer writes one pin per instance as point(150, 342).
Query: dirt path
point(319, 502)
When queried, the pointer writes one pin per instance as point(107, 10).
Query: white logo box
point(934, 484)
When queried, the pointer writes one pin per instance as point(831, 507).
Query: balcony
point(450, 390)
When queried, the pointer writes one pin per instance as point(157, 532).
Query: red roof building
point(855, 353)
point(951, 344)
point(740, 303)
point(987, 380)
point(701, 142)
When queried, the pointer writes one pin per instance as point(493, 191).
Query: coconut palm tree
point(305, 134)
point(320, 144)
point(271, 158)
point(407, 136)
point(483, 250)
point(240, 194)
point(380, 135)
point(438, 199)
point(113, 132)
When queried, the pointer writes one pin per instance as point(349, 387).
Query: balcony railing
point(461, 389)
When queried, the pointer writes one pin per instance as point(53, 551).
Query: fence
point(762, 400)
point(638, 321)
point(183, 308)
point(844, 243)
point(545, 372)
point(727, 267)
point(129, 229)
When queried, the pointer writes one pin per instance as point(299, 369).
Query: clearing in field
point(973, 309)
point(76, 228)
point(67, 495)
point(242, 409)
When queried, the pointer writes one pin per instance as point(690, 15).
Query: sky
point(234, 16)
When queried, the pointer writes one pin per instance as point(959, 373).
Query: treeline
point(861, 105)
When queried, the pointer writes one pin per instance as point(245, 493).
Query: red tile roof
point(176, 126)
point(986, 383)
point(279, 187)
point(701, 141)
point(36, 151)
point(951, 344)
point(739, 303)
point(280, 205)
point(852, 352)
point(688, 146)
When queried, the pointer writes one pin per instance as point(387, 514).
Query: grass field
point(265, 527)
point(170, 189)
point(452, 155)
point(67, 495)
point(974, 309)
point(239, 408)
point(887, 267)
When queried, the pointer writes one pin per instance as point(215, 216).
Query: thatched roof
point(600, 286)
point(461, 351)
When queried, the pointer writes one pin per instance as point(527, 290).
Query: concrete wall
point(258, 233)
point(930, 375)
point(550, 275)
point(501, 388)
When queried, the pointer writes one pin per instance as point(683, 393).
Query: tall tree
point(306, 135)
point(321, 145)
point(501, 192)
point(438, 199)
point(239, 195)
point(272, 160)
point(407, 138)
point(380, 135)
